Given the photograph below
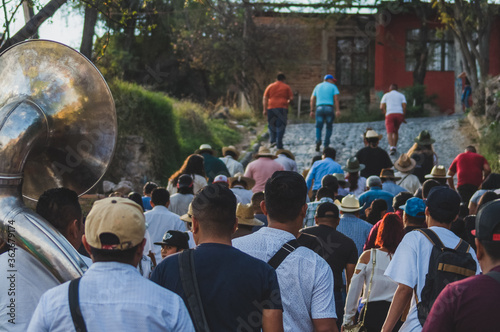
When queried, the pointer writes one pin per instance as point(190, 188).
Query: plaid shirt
point(311, 211)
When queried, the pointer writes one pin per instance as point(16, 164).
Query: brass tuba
point(57, 129)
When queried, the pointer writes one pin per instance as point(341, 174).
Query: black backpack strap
point(191, 290)
point(74, 306)
point(432, 237)
point(462, 246)
point(495, 275)
point(284, 251)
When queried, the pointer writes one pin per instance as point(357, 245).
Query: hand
point(404, 121)
point(337, 114)
point(264, 112)
point(311, 114)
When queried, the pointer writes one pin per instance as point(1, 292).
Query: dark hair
point(330, 153)
point(492, 248)
point(372, 141)
point(393, 86)
point(185, 190)
point(400, 199)
point(160, 196)
point(417, 221)
point(231, 153)
point(427, 186)
point(471, 148)
point(491, 182)
point(280, 77)
point(257, 198)
point(59, 206)
point(315, 159)
point(325, 192)
point(149, 187)
point(122, 256)
point(390, 233)
point(192, 165)
point(353, 180)
point(285, 195)
point(485, 198)
point(377, 207)
point(136, 197)
point(329, 181)
point(215, 208)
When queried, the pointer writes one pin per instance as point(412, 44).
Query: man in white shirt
point(160, 219)
point(305, 279)
point(393, 105)
point(405, 166)
point(230, 159)
point(286, 159)
point(410, 263)
point(112, 295)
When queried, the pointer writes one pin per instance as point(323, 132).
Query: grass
point(489, 145)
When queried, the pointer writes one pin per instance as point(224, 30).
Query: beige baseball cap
point(121, 217)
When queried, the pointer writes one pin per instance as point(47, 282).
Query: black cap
point(443, 203)
point(323, 208)
point(176, 239)
point(487, 220)
point(185, 181)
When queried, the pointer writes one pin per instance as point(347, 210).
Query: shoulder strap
point(373, 254)
point(402, 180)
point(74, 306)
point(432, 237)
point(284, 251)
point(191, 290)
point(495, 275)
point(462, 246)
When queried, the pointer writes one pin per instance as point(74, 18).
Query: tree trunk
point(32, 26)
point(29, 13)
point(88, 31)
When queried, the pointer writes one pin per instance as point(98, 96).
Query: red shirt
point(468, 305)
point(278, 94)
point(469, 168)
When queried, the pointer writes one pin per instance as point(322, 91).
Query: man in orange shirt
point(277, 97)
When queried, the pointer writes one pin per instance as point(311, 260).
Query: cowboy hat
point(232, 149)
point(424, 138)
point(405, 163)
point(373, 134)
point(244, 214)
point(188, 217)
point(387, 173)
point(340, 178)
point(286, 152)
point(350, 204)
point(264, 152)
point(438, 172)
point(207, 148)
point(240, 177)
point(353, 165)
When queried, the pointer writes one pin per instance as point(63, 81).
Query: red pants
point(393, 121)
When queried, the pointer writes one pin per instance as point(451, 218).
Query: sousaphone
point(57, 129)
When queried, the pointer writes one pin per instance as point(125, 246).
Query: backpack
point(446, 265)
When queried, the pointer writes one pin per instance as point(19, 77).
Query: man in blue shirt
point(238, 292)
point(375, 191)
point(320, 168)
point(324, 96)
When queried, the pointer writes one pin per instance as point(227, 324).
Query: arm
point(383, 107)
point(404, 109)
point(486, 170)
point(450, 180)
point(264, 104)
point(355, 288)
point(310, 177)
point(337, 105)
point(272, 320)
point(325, 325)
point(472, 207)
point(399, 302)
point(312, 104)
point(349, 271)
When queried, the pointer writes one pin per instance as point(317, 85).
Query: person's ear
point(480, 252)
point(74, 229)
point(235, 226)
point(263, 207)
point(87, 246)
point(195, 227)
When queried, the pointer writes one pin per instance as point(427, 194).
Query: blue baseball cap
point(329, 77)
point(414, 207)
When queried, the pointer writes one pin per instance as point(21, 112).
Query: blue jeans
point(276, 119)
point(324, 113)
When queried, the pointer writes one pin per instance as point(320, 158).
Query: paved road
point(347, 138)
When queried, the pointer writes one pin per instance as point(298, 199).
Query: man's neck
point(329, 224)
point(288, 227)
point(214, 239)
point(434, 223)
point(487, 264)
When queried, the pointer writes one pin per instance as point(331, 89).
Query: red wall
point(495, 48)
point(390, 62)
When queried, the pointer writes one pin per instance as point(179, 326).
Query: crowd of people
point(233, 247)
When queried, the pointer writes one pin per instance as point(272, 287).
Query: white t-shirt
point(393, 101)
point(410, 265)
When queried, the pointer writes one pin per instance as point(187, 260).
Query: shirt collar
point(111, 266)
point(160, 207)
point(277, 233)
point(375, 188)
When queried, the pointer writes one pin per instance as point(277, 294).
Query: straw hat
point(286, 152)
point(424, 138)
point(353, 165)
point(350, 204)
point(387, 173)
point(240, 177)
point(373, 134)
point(340, 178)
point(405, 163)
point(264, 152)
point(206, 148)
point(232, 149)
point(244, 214)
point(438, 172)
point(188, 216)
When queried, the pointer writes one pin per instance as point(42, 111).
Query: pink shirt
point(260, 170)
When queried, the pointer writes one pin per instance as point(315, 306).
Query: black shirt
point(374, 160)
point(339, 250)
point(234, 287)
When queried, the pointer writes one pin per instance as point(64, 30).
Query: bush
point(361, 110)
point(416, 97)
point(489, 145)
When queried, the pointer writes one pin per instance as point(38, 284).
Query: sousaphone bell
point(57, 129)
